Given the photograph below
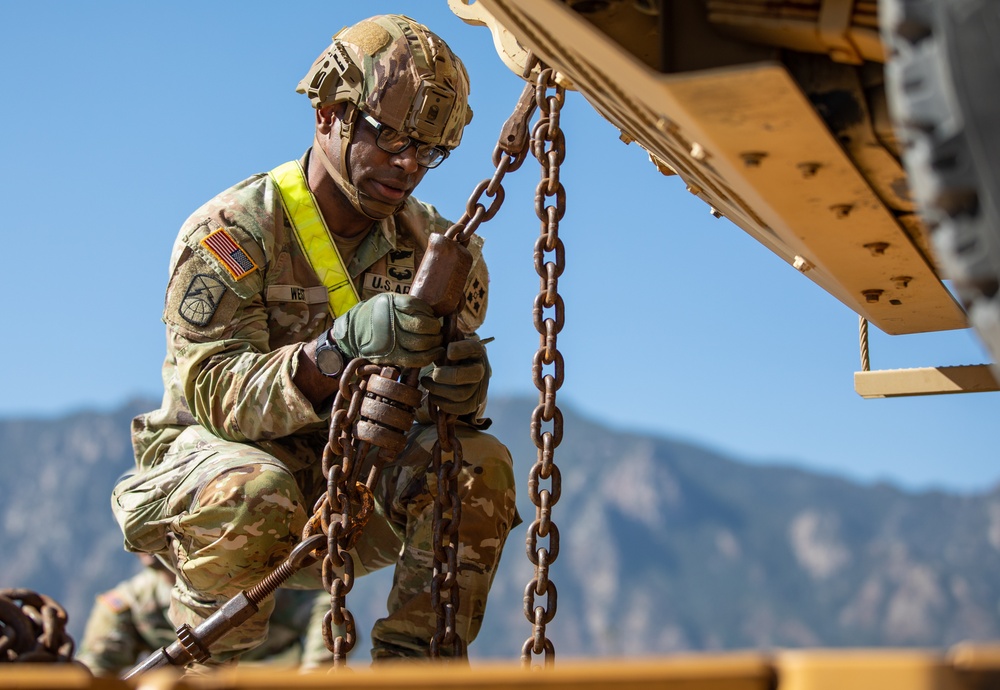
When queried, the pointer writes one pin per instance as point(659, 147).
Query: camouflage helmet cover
point(400, 73)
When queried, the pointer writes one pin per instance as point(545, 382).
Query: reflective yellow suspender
point(313, 236)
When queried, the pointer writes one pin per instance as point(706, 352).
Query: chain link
point(508, 155)
point(33, 628)
point(447, 464)
point(548, 146)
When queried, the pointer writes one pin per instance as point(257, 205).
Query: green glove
point(397, 330)
point(460, 386)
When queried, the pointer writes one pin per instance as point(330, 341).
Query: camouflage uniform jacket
point(235, 327)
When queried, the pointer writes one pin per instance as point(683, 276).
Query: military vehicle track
point(943, 83)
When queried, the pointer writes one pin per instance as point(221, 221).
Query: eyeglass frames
point(392, 141)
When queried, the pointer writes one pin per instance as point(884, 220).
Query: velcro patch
point(294, 293)
point(368, 36)
point(229, 253)
point(201, 299)
point(400, 266)
point(379, 283)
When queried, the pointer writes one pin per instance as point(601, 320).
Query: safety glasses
point(392, 141)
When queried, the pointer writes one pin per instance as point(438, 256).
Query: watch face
point(329, 361)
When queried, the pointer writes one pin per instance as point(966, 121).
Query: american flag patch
point(232, 256)
point(114, 601)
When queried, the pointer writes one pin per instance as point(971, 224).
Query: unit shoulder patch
point(204, 293)
point(229, 253)
point(475, 297)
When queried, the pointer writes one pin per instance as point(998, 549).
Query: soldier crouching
point(275, 285)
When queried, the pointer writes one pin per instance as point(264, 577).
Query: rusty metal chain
point(33, 628)
point(446, 458)
point(371, 409)
point(549, 147)
point(508, 155)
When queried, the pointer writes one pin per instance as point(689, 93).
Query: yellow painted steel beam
point(747, 141)
point(964, 667)
point(865, 669)
point(32, 676)
point(891, 383)
point(690, 672)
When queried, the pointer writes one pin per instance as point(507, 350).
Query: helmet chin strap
point(364, 203)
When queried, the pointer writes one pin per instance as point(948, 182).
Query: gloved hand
point(397, 330)
point(460, 386)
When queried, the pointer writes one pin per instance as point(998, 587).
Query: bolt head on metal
point(809, 169)
point(801, 264)
point(752, 159)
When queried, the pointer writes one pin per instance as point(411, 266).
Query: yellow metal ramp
point(964, 667)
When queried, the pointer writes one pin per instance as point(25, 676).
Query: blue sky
point(120, 118)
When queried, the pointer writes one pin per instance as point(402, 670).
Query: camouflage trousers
point(222, 515)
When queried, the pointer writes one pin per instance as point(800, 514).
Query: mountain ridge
point(666, 545)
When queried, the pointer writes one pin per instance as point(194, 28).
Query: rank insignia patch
point(201, 299)
point(225, 249)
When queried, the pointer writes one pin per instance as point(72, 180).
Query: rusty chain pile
point(549, 147)
point(33, 628)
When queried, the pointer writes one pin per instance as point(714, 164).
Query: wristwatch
point(329, 359)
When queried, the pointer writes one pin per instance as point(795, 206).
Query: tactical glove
point(459, 387)
point(398, 330)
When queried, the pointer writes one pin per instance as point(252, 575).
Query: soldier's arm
point(234, 383)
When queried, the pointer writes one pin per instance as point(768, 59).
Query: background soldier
point(130, 620)
point(274, 285)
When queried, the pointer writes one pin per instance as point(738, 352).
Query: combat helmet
point(398, 72)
